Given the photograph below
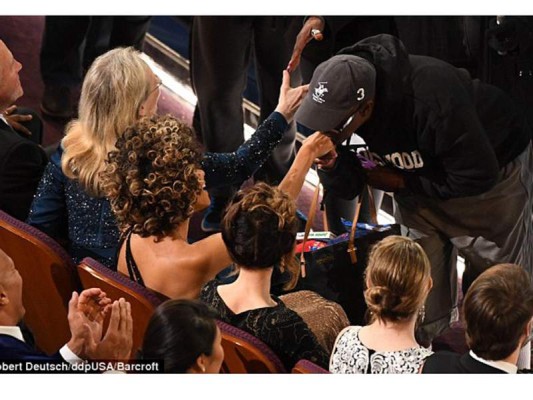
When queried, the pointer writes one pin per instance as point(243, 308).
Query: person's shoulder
point(282, 316)
point(440, 362)
point(209, 289)
point(434, 80)
point(11, 143)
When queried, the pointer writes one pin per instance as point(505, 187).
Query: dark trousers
point(71, 43)
point(220, 54)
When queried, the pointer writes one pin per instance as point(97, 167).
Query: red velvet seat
point(308, 367)
point(244, 353)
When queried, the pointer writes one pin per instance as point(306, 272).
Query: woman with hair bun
point(398, 280)
point(259, 230)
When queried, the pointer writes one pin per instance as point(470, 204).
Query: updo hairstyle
point(397, 278)
point(259, 229)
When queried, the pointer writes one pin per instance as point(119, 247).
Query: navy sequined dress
point(62, 209)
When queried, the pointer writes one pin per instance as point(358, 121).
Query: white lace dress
point(350, 356)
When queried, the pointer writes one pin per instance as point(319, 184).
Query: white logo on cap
point(320, 90)
point(360, 94)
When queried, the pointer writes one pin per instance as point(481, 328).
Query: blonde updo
point(398, 279)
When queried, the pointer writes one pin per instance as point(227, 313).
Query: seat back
point(244, 353)
point(308, 367)
point(115, 285)
point(49, 278)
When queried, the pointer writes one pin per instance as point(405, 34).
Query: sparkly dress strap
point(133, 270)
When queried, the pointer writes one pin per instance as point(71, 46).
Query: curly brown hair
point(259, 229)
point(151, 179)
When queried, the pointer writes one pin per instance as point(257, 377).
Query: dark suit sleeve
point(22, 170)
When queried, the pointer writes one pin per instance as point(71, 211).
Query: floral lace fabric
point(350, 356)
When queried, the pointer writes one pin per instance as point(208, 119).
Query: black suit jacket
point(22, 164)
point(13, 350)
point(451, 363)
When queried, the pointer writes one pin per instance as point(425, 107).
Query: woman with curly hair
point(118, 89)
point(259, 230)
point(155, 182)
point(398, 280)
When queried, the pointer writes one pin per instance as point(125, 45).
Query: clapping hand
point(118, 340)
point(86, 313)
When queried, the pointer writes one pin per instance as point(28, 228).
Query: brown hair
point(397, 276)
point(151, 178)
point(259, 229)
point(497, 308)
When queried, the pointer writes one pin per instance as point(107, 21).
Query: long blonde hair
point(115, 87)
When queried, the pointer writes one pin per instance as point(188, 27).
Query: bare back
point(174, 267)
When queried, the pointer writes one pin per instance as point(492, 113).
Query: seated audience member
point(155, 182)
point(498, 312)
point(398, 281)
point(86, 313)
point(118, 89)
point(22, 160)
point(183, 334)
point(259, 230)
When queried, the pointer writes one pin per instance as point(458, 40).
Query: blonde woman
point(69, 205)
point(398, 281)
point(118, 89)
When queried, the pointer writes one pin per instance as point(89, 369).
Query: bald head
point(11, 307)
point(10, 87)
point(6, 264)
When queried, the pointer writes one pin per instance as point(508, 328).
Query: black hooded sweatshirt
point(449, 134)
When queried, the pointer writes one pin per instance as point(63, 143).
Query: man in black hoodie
point(454, 151)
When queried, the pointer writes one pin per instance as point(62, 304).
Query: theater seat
point(115, 285)
point(308, 367)
point(244, 353)
point(49, 278)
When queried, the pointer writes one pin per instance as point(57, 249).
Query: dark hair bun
point(382, 302)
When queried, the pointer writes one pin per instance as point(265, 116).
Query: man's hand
point(15, 120)
point(86, 313)
point(313, 28)
point(385, 178)
point(327, 161)
point(118, 340)
point(290, 98)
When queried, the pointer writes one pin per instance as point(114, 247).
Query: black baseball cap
point(337, 87)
